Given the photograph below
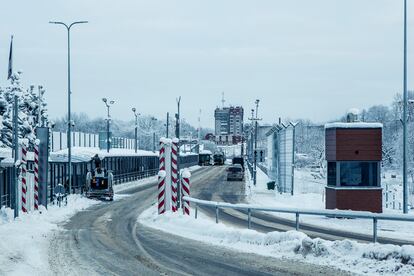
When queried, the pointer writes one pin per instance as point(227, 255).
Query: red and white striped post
point(36, 175)
point(186, 191)
point(174, 174)
point(24, 175)
point(161, 192)
point(162, 156)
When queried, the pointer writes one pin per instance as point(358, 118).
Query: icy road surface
point(107, 240)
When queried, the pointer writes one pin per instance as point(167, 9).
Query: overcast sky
point(302, 59)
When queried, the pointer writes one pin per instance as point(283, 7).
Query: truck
point(238, 160)
point(218, 158)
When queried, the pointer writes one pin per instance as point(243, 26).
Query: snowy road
point(107, 240)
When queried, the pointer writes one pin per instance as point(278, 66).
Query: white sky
point(308, 59)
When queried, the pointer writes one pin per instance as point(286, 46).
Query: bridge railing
point(375, 217)
point(132, 176)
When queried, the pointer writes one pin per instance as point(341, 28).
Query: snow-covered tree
point(31, 108)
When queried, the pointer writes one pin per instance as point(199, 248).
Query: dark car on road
point(238, 160)
point(235, 172)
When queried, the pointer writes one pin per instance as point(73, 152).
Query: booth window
point(359, 173)
point(331, 173)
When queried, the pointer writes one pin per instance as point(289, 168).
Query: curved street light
point(68, 27)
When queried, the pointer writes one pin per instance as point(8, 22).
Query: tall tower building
point(228, 124)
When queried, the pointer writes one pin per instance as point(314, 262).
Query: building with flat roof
point(228, 124)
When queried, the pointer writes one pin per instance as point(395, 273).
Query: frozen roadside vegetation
point(309, 194)
point(24, 242)
point(363, 259)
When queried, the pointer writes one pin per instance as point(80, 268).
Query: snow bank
point(24, 242)
point(347, 255)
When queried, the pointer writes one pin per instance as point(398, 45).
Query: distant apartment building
point(228, 125)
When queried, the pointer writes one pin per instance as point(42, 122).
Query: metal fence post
point(217, 214)
point(249, 218)
point(374, 229)
point(297, 221)
point(196, 211)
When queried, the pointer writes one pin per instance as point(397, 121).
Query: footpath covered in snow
point(24, 242)
point(364, 259)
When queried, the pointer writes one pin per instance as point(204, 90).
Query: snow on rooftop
point(85, 154)
point(187, 153)
point(205, 152)
point(353, 125)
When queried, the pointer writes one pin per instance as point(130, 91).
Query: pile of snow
point(347, 255)
point(24, 242)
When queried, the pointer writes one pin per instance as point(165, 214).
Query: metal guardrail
point(127, 177)
point(329, 213)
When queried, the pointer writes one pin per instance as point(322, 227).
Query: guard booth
point(354, 152)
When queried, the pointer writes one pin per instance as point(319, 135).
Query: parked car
point(235, 172)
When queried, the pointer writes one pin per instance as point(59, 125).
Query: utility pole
point(199, 126)
point(69, 137)
point(255, 119)
point(405, 188)
point(167, 124)
point(16, 155)
point(177, 119)
point(134, 110)
point(40, 103)
point(153, 141)
point(177, 134)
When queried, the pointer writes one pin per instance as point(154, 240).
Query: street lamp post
point(255, 119)
point(405, 188)
point(68, 27)
point(108, 105)
point(136, 128)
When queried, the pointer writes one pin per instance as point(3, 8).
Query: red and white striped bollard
point(24, 175)
point(161, 192)
point(162, 156)
point(186, 191)
point(36, 175)
point(174, 174)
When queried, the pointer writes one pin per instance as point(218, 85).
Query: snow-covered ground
point(366, 259)
point(24, 242)
point(309, 194)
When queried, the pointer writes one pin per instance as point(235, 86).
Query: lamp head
point(112, 102)
point(104, 100)
point(134, 109)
